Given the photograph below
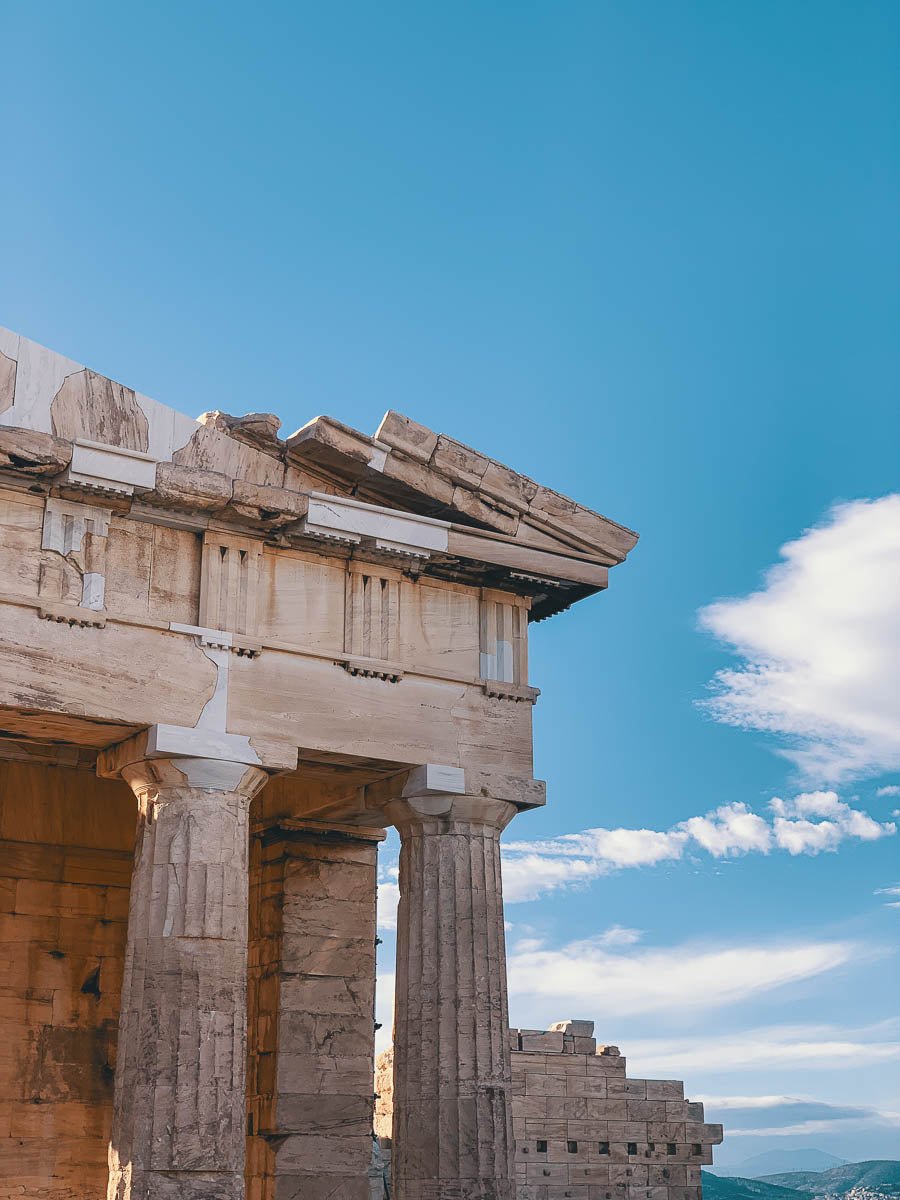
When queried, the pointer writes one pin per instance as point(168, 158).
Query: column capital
point(449, 813)
point(443, 796)
point(169, 756)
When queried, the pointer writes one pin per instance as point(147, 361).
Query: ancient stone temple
point(228, 662)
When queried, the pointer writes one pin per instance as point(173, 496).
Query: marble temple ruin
point(229, 662)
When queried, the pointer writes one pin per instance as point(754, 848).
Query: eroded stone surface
point(178, 1125)
point(452, 1077)
point(582, 1127)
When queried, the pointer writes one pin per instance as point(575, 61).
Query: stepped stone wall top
point(585, 1130)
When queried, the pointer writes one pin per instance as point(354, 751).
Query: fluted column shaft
point(452, 1077)
point(179, 1126)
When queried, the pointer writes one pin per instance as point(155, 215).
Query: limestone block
point(611, 1066)
point(632, 1088)
point(666, 1131)
point(320, 1154)
point(507, 485)
point(407, 435)
point(696, 1132)
point(628, 1131)
point(635, 1174)
point(322, 1074)
point(538, 1084)
point(411, 474)
point(459, 462)
point(583, 1029)
point(493, 513)
point(532, 1106)
point(28, 452)
point(587, 1085)
point(317, 1187)
point(684, 1193)
point(646, 1110)
point(596, 1173)
point(190, 488)
point(665, 1089)
point(349, 1117)
point(524, 1061)
point(547, 1172)
point(544, 1127)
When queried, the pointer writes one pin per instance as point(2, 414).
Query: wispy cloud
point(820, 646)
point(388, 896)
point(812, 1046)
point(892, 789)
point(894, 892)
point(810, 823)
point(587, 978)
point(787, 1116)
point(590, 976)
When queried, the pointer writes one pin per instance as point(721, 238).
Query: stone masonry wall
point(66, 842)
point(312, 986)
point(583, 1129)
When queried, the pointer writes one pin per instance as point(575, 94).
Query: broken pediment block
point(31, 453)
point(190, 488)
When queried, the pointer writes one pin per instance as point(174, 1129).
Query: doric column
point(178, 1126)
point(452, 1086)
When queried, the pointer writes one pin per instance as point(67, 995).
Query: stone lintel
point(288, 828)
point(182, 744)
point(438, 779)
point(434, 779)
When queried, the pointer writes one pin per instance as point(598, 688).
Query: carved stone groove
point(179, 1125)
point(452, 1075)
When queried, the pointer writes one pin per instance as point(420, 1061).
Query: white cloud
point(808, 824)
point(388, 895)
point(731, 829)
point(619, 935)
point(384, 1010)
point(588, 976)
point(388, 899)
point(892, 789)
point(820, 644)
point(784, 1116)
point(824, 1047)
point(894, 892)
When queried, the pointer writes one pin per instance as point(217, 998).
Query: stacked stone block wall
point(66, 842)
point(583, 1129)
point(312, 981)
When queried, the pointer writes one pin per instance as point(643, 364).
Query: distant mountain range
point(873, 1180)
point(777, 1162)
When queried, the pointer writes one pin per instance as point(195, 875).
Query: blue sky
point(648, 254)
